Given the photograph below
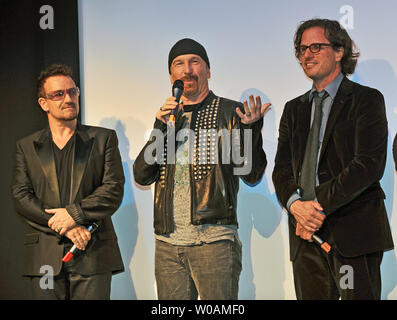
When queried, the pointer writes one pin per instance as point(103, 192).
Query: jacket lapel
point(82, 151)
point(43, 147)
point(344, 91)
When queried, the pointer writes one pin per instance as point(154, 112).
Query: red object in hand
point(67, 257)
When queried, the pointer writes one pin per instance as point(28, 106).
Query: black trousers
point(73, 286)
point(322, 276)
point(70, 285)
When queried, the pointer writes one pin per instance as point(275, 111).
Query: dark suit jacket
point(352, 161)
point(96, 192)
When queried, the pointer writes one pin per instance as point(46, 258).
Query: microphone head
point(177, 89)
point(178, 84)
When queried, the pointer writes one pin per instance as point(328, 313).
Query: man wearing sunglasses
point(67, 177)
point(331, 155)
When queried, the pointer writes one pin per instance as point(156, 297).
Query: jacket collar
point(207, 100)
point(82, 150)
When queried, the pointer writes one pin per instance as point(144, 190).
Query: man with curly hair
point(331, 155)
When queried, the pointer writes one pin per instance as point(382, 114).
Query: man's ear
point(43, 104)
point(339, 54)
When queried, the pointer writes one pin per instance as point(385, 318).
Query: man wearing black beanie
point(198, 252)
point(187, 46)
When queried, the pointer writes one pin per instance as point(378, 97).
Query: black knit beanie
point(187, 46)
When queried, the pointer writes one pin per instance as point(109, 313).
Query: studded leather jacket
point(214, 170)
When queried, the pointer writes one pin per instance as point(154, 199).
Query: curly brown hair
point(52, 70)
point(337, 36)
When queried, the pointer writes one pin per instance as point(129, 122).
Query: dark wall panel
point(26, 49)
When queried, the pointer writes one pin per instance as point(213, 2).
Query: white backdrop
point(124, 50)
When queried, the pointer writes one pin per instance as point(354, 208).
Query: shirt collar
point(331, 89)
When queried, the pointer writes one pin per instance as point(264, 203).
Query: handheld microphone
point(177, 90)
point(323, 244)
point(73, 250)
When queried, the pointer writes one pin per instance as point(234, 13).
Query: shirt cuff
point(76, 213)
point(295, 196)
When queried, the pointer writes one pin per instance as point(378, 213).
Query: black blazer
point(352, 161)
point(96, 192)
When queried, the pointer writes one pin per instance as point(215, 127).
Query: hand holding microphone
point(323, 244)
point(74, 249)
point(167, 113)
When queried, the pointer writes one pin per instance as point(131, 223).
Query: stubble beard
point(72, 116)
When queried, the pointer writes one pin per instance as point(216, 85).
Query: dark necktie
point(308, 175)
